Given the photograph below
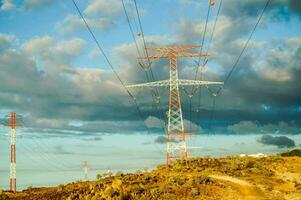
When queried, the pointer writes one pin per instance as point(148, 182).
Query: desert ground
point(242, 178)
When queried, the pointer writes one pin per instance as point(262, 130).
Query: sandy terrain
point(245, 178)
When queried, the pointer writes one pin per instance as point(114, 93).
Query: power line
point(194, 89)
point(144, 43)
point(107, 59)
point(42, 156)
point(176, 135)
point(203, 40)
point(99, 47)
point(46, 151)
point(247, 42)
point(155, 92)
point(214, 26)
point(211, 38)
point(134, 20)
point(244, 47)
point(209, 45)
point(130, 27)
point(238, 58)
point(212, 114)
point(142, 32)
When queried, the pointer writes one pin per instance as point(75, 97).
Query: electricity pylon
point(85, 168)
point(13, 124)
point(176, 135)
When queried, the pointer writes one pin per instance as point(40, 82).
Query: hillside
point(228, 178)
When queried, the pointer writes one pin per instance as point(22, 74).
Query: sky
point(73, 105)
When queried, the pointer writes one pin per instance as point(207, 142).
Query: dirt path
point(248, 191)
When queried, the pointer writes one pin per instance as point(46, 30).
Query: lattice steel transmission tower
point(176, 135)
point(85, 168)
point(13, 124)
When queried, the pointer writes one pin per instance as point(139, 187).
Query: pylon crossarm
point(173, 47)
point(13, 114)
point(190, 55)
point(175, 126)
point(154, 56)
point(183, 82)
point(150, 84)
point(10, 124)
point(164, 54)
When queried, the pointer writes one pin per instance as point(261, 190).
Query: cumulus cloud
point(277, 9)
point(154, 122)
point(295, 6)
point(100, 15)
point(42, 82)
point(104, 8)
point(53, 57)
point(10, 5)
point(267, 68)
point(6, 41)
point(250, 127)
point(244, 127)
point(160, 140)
point(191, 127)
point(68, 93)
point(59, 149)
point(39, 78)
point(31, 4)
point(38, 44)
point(279, 141)
point(7, 5)
point(71, 24)
point(90, 129)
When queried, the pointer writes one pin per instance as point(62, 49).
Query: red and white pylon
point(176, 135)
point(85, 168)
point(13, 124)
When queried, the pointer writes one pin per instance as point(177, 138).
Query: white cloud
point(38, 44)
point(72, 24)
point(49, 123)
point(250, 127)
point(94, 53)
point(293, 42)
point(69, 48)
point(7, 5)
point(54, 56)
point(244, 127)
point(153, 122)
point(104, 8)
point(190, 127)
point(276, 74)
point(36, 3)
point(6, 41)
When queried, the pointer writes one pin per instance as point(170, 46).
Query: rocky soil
point(228, 178)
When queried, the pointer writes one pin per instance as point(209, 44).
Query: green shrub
point(250, 164)
point(29, 187)
point(98, 177)
point(294, 152)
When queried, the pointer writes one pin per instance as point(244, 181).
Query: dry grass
point(202, 178)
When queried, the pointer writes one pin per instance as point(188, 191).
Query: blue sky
point(53, 74)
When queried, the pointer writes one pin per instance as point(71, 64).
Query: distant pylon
point(13, 124)
point(85, 168)
point(176, 135)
